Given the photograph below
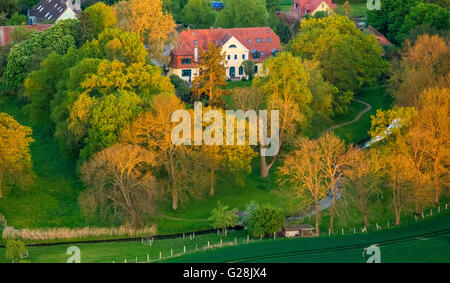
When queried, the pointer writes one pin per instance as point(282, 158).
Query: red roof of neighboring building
point(267, 39)
point(5, 31)
point(308, 6)
point(381, 38)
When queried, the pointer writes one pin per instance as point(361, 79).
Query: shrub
point(249, 210)
point(266, 220)
point(14, 250)
point(222, 217)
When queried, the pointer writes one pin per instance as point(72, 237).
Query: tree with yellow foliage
point(211, 75)
point(147, 18)
point(15, 157)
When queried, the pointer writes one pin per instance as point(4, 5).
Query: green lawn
point(357, 132)
point(358, 9)
point(52, 201)
point(403, 244)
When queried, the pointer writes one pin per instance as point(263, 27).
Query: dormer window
point(257, 40)
point(255, 54)
point(185, 61)
point(195, 42)
point(269, 39)
point(249, 40)
point(262, 40)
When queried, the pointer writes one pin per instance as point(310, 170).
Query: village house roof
point(381, 38)
point(52, 9)
point(261, 39)
point(5, 36)
point(309, 6)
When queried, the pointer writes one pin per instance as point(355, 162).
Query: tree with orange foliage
point(183, 169)
point(303, 169)
point(15, 157)
point(422, 66)
point(147, 18)
point(211, 75)
point(120, 184)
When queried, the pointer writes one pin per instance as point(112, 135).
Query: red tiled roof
point(381, 38)
point(247, 36)
point(5, 31)
point(308, 6)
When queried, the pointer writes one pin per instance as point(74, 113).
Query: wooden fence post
point(148, 258)
point(184, 249)
point(160, 255)
point(171, 252)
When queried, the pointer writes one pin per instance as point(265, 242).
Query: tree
point(182, 90)
point(97, 18)
point(348, 58)
point(239, 14)
point(390, 19)
point(430, 15)
point(429, 140)
point(286, 89)
point(334, 162)
point(248, 98)
point(398, 170)
point(347, 9)
point(266, 220)
point(199, 14)
point(17, 20)
point(211, 75)
point(14, 250)
point(362, 179)
point(120, 184)
point(303, 169)
point(222, 218)
point(59, 38)
point(182, 168)
point(249, 69)
point(15, 157)
point(8, 7)
point(146, 18)
point(422, 65)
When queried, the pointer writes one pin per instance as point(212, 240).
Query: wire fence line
point(210, 245)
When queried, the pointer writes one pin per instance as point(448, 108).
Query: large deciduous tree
point(286, 89)
point(239, 14)
point(120, 185)
point(15, 157)
point(147, 18)
point(199, 14)
point(183, 169)
point(423, 65)
point(211, 75)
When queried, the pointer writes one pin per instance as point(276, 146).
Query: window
point(186, 73)
point(232, 46)
point(262, 40)
point(256, 55)
point(185, 61)
point(256, 69)
point(270, 39)
point(195, 42)
point(229, 57)
point(257, 40)
point(249, 40)
point(235, 56)
point(241, 71)
point(262, 53)
point(243, 56)
point(268, 30)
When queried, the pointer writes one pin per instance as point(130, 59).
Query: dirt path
point(360, 114)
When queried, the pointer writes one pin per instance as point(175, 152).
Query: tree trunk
point(212, 181)
point(316, 205)
point(265, 168)
point(397, 217)
point(332, 210)
point(174, 198)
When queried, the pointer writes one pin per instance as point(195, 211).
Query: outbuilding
point(299, 230)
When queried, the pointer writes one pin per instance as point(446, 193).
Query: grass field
point(52, 201)
point(428, 241)
point(357, 9)
point(412, 243)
